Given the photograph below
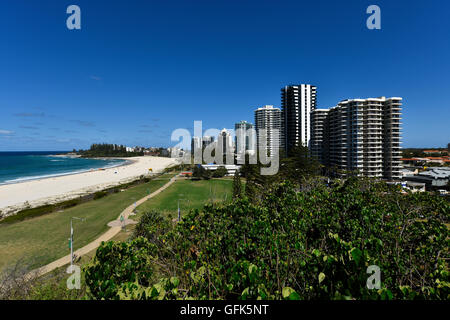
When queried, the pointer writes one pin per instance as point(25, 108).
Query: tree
point(299, 164)
point(108, 150)
point(220, 172)
point(201, 173)
point(117, 263)
point(237, 185)
point(253, 183)
point(197, 172)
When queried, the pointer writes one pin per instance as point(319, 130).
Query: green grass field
point(195, 193)
point(41, 240)
point(44, 239)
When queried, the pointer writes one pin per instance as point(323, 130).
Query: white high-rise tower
point(269, 119)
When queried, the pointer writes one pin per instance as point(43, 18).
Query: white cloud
point(6, 132)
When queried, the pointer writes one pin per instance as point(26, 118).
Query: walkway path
point(108, 235)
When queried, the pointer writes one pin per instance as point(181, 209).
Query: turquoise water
point(22, 166)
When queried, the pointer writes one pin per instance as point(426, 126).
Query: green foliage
point(151, 226)
point(314, 244)
point(200, 172)
point(99, 195)
point(298, 165)
point(108, 150)
point(219, 172)
point(178, 167)
point(237, 186)
point(254, 180)
point(116, 264)
point(41, 210)
point(55, 288)
point(29, 213)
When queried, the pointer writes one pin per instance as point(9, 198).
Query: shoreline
point(21, 195)
point(63, 174)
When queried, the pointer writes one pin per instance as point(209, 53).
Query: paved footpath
point(108, 235)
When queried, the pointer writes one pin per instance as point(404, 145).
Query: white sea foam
point(60, 174)
point(41, 189)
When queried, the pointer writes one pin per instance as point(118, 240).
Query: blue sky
point(139, 69)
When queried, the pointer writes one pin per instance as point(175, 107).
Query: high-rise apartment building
point(207, 140)
point(196, 143)
point(225, 142)
point(201, 142)
point(269, 119)
point(297, 102)
point(392, 113)
point(361, 135)
point(244, 139)
point(318, 131)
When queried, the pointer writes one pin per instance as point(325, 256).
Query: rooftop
point(267, 107)
point(436, 173)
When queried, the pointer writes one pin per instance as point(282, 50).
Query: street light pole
point(71, 240)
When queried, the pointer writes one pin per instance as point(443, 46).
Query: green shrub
point(99, 194)
point(69, 203)
point(117, 263)
point(315, 244)
point(29, 213)
point(219, 172)
point(200, 172)
point(151, 226)
point(237, 185)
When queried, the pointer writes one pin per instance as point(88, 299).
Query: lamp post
point(134, 204)
point(71, 240)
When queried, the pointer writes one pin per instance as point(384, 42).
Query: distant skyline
point(138, 70)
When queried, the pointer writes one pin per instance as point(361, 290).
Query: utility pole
point(71, 240)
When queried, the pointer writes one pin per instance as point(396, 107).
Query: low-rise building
point(433, 151)
point(405, 172)
point(416, 186)
point(434, 178)
point(231, 168)
point(425, 160)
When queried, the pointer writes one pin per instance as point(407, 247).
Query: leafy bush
point(99, 195)
point(29, 213)
point(200, 172)
point(219, 172)
point(315, 244)
point(151, 226)
point(237, 185)
point(69, 203)
point(117, 263)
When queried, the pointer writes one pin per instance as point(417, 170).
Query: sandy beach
point(14, 197)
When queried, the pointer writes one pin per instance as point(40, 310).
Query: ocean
point(22, 166)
